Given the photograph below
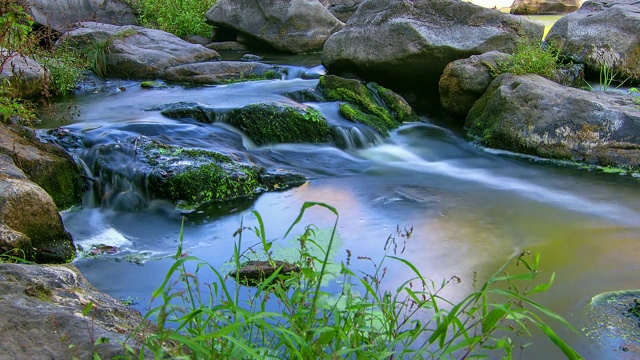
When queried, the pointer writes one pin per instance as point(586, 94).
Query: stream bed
point(470, 207)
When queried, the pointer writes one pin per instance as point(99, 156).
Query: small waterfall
point(355, 137)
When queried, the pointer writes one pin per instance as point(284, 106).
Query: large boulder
point(407, 44)
point(25, 76)
point(42, 316)
point(533, 115)
point(544, 7)
point(464, 81)
point(29, 220)
point(221, 72)
point(135, 52)
point(601, 33)
point(47, 165)
point(61, 15)
point(295, 26)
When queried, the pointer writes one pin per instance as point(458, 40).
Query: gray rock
point(250, 57)
point(295, 26)
point(407, 44)
point(41, 316)
point(229, 46)
point(464, 81)
point(544, 7)
point(195, 39)
point(26, 76)
point(135, 52)
point(342, 9)
point(219, 72)
point(533, 115)
point(601, 33)
point(61, 15)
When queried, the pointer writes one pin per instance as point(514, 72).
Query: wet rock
point(221, 72)
point(255, 272)
point(42, 317)
point(134, 52)
point(369, 104)
point(250, 57)
point(601, 33)
point(533, 115)
point(407, 44)
point(544, 7)
point(294, 26)
point(195, 39)
point(131, 173)
point(464, 81)
point(25, 75)
point(275, 123)
point(30, 224)
point(47, 165)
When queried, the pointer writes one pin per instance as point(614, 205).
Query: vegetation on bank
point(327, 311)
point(61, 66)
point(530, 58)
point(181, 18)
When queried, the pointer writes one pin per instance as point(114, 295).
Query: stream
point(470, 207)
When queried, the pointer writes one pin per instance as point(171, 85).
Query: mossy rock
point(191, 178)
point(269, 123)
point(369, 104)
point(255, 272)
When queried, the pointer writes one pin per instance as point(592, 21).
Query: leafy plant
point(531, 58)
point(96, 56)
point(297, 317)
point(635, 96)
point(179, 17)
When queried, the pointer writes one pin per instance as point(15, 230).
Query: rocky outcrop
point(601, 33)
point(220, 72)
point(369, 104)
point(294, 26)
point(464, 81)
point(134, 52)
point(533, 115)
point(61, 15)
point(47, 165)
point(26, 77)
point(29, 219)
point(407, 44)
point(544, 7)
point(342, 9)
point(42, 315)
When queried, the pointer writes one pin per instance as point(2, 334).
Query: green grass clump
point(180, 17)
point(321, 313)
point(635, 96)
point(531, 58)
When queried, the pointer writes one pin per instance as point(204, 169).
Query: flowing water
point(470, 207)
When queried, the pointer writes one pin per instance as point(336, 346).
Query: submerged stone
point(255, 272)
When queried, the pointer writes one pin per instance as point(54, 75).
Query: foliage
point(635, 96)
point(17, 39)
point(179, 17)
point(607, 77)
point(362, 320)
point(15, 256)
point(531, 58)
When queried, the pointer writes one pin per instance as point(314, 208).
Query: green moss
point(152, 85)
point(371, 105)
point(39, 292)
point(267, 75)
point(268, 123)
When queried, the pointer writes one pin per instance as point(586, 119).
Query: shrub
point(179, 17)
point(531, 58)
point(360, 320)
